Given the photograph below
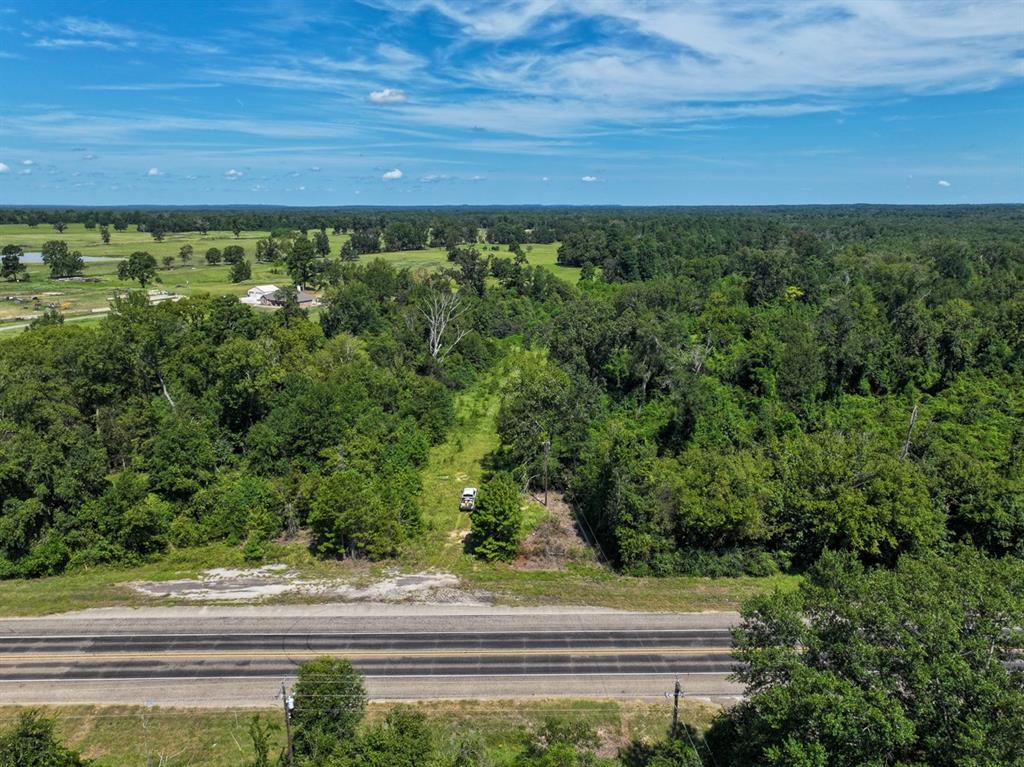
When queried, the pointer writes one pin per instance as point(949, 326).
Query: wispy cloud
point(233, 174)
point(79, 32)
point(392, 175)
point(114, 127)
point(741, 50)
point(5, 168)
point(589, 179)
point(388, 96)
point(943, 183)
point(153, 172)
point(148, 86)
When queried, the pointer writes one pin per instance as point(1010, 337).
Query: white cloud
point(26, 172)
point(28, 163)
point(477, 178)
point(233, 174)
point(153, 172)
point(302, 189)
point(943, 183)
point(315, 169)
point(392, 175)
point(588, 179)
point(5, 168)
point(433, 177)
point(544, 178)
point(663, 52)
point(388, 96)
point(89, 156)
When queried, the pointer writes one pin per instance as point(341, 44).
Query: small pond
point(37, 258)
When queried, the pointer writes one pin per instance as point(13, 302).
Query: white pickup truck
point(468, 501)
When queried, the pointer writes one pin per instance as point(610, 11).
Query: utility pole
point(289, 703)
point(546, 444)
point(675, 707)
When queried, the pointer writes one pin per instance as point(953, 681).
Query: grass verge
point(138, 736)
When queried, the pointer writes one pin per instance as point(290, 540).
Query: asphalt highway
point(206, 658)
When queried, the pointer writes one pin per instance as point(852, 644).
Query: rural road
point(225, 656)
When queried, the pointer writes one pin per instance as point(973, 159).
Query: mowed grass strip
point(139, 736)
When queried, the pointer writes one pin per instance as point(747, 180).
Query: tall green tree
point(32, 742)
point(240, 271)
point(350, 517)
point(330, 700)
point(139, 266)
point(11, 268)
point(910, 666)
point(301, 261)
point(497, 519)
point(322, 244)
point(62, 262)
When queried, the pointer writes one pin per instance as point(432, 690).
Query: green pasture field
point(78, 300)
point(138, 736)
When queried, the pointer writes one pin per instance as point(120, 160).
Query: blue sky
point(415, 102)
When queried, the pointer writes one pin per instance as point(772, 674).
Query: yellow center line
point(597, 651)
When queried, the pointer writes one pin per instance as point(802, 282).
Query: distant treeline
point(724, 227)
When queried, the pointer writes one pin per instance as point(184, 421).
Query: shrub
point(497, 519)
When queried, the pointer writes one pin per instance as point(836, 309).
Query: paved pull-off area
point(222, 656)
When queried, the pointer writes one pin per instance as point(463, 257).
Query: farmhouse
point(255, 295)
point(277, 298)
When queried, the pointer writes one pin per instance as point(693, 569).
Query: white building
point(256, 295)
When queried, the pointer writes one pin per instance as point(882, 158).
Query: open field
point(80, 300)
point(138, 736)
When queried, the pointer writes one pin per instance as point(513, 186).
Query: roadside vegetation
point(909, 666)
point(135, 736)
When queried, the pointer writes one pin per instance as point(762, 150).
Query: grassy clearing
point(105, 586)
point(457, 462)
point(453, 465)
point(137, 736)
point(78, 300)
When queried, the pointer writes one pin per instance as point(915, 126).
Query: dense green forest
point(724, 391)
point(836, 392)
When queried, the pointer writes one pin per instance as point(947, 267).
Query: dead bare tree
point(441, 310)
point(910, 433)
point(698, 354)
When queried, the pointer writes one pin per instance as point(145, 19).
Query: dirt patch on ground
point(263, 583)
point(555, 542)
